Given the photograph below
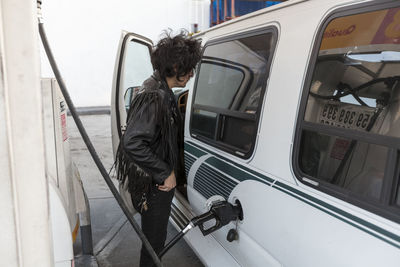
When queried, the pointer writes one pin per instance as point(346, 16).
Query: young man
point(151, 149)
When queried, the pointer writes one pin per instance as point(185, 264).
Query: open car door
point(132, 68)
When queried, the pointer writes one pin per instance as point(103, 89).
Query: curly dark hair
point(176, 55)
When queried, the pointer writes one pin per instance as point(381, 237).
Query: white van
point(294, 111)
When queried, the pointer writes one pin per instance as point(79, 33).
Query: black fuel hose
point(91, 149)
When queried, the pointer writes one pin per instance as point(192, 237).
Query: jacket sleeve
point(140, 132)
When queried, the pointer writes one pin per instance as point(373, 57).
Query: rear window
point(348, 134)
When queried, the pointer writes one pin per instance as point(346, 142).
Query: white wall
point(84, 36)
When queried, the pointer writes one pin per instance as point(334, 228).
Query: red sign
point(64, 127)
point(339, 149)
point(389, 31)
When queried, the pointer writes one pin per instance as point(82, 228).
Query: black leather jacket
point(153, 140)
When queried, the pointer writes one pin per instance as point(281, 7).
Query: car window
point(228, 92)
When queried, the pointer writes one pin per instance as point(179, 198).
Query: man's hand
point(169, 183)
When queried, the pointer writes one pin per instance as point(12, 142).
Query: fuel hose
point(90, 147)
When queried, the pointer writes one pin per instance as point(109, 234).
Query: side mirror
point(129, 95)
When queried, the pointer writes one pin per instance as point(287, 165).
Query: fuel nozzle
point(222, 212)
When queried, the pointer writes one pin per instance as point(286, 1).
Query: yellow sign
point(378, 27)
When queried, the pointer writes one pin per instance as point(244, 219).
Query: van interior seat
point(363, 172)
point(391, 123)
point(369, 181)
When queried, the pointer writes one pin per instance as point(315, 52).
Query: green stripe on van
point(234, 172)
point(193, 150)
point(257, 174)
point(238, 173)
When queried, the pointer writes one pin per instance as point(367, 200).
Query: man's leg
point(155, 222)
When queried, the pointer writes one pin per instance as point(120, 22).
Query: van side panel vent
point(210, 182)
point(189, 160)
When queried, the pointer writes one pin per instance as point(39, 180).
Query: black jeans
point(155, 222)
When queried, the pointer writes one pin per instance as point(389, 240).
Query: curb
point(98, 110)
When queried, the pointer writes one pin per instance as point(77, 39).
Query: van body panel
point(284, 88)
point(283, 205)
point(208, 250)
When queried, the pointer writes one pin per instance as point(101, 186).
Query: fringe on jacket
point(171, 141)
